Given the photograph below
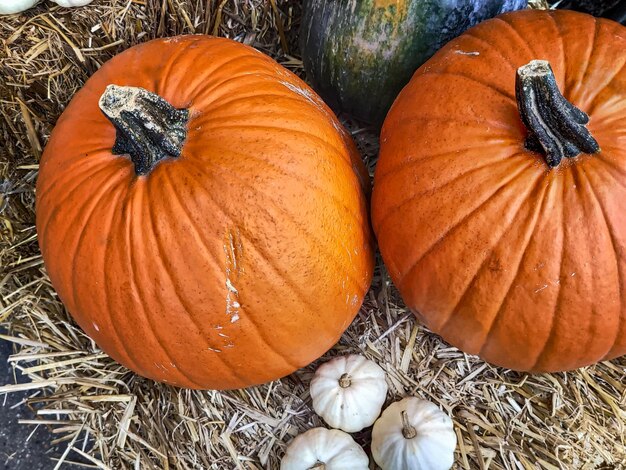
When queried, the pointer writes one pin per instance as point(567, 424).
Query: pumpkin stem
point(556, 126)
point(149, 129)
point(408, 431)
point(345, 381)
point(318, 466)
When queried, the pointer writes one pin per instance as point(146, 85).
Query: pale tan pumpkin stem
point(345, 381)
point(149, 129)
point(408, 431)
point(318, 466)
point(556, 127)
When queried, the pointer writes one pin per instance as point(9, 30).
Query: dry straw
point(103, 415)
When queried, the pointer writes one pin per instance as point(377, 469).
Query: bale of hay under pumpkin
point(503, 419)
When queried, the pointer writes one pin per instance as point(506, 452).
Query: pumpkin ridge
point(96, 156)
point(245, 99)
point(74, 284)
point(292, 285)
point(249, 115)
point(109, 244)
point(447, 119)
point(592, 49)
point(133, 217)
point(524, 251)
point(199, 89)
point(163, 82)
point(610, 164)
point(512, 224)
point(488, 45)
point(561, 48)
point(281, 356)
point(283, 171)
point(559, 295)
point(301, 228)
point(592, 101)
point(456, 224)
point(504, 93)
point(154, 330)
point(407, 162)
point(390, 211)
point(592, 332)
point(209, 72)
point(620, 276)
point(503, 19)
point(199, 233)
point(88, 210)
point(317, 138)
point(67, 169)
point(187, 308)
point(571, 93)
point(123, 350)
point(610, 81)
point(44, 225)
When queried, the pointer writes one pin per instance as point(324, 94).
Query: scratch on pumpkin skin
point(308, 95)
point(476, 53)
point(234, 268)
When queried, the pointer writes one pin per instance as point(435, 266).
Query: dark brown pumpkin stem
point(345, 381)
point(408, 431)
point(556, 126)
point(149, 129)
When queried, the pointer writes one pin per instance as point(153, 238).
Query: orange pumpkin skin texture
point(499, 254)
point(236, 263)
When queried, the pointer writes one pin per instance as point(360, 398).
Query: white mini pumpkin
point(72, 3)
point(413, 434)
point(9, 7)
point(324, 449)
point(348, 392)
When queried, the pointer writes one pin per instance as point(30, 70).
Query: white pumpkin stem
point(408, 431)
point(318, 466)
point(345, 381)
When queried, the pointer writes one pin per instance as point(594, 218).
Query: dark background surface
point(16, 453)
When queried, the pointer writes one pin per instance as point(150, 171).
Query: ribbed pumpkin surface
point(235, 264)
point(503, 257)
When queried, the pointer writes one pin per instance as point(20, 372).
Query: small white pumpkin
point(72, 3)
point(324, 449)
point(413, 434)
point(9, 7)
point(348, 392)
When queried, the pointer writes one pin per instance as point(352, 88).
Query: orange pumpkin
point(503, 226)
point(201, 215)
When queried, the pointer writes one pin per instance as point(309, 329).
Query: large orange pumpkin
point(510, 241)
point(201, 214)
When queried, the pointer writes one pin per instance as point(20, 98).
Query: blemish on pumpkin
point(234, 268)
point(472, 53)
point(95, 325)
